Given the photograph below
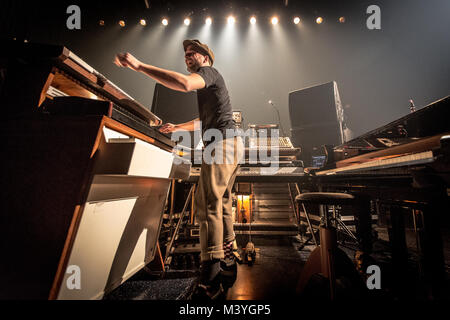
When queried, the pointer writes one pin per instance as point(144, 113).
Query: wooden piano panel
point(71, 87)
point(47, 176)
point(43, 182)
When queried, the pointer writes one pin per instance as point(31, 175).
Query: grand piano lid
point(128, 102)
point(67, 60)
point(428, 121)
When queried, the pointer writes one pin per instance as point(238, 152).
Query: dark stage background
point(377, 71)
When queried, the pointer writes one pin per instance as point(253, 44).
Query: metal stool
point(322, 260)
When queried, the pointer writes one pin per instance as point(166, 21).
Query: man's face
point(193, 59)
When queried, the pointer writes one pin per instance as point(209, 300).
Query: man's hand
point(127, 60)
point(168, 128)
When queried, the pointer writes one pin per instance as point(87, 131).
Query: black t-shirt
point(214, 102)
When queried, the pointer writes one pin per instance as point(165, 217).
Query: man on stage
point(213, 199)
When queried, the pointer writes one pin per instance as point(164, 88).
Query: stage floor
point(276, 271)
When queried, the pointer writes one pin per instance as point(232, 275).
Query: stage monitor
point(176, 107)
point(316, 116)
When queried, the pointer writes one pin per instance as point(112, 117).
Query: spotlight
point(101, 23)
point(122, 23)
point(165, 22)
point(187, 21)
point(274, 20)
point(231, 20)
point(296, 20)
point(143, 22)
point(319, 20)
point(342, 19)
point(208, 21)
point(252, 20)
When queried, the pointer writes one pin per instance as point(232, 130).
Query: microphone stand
point(279, 118)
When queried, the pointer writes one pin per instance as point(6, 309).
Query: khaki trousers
point(213, 198)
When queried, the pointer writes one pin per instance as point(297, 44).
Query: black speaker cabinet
point(316, 119)
point(176, 107)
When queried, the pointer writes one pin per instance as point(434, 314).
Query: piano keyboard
point(283, 142)
point(268, 171)
point(260, 174)
point(399, 161)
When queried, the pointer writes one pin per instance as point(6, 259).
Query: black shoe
point(228, 272)
point(211, 292)
point(209, 285)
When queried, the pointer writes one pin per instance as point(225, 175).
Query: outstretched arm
point(170, 79)
point(188, 126)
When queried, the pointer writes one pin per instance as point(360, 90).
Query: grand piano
point(85, 177)
point(403, 168)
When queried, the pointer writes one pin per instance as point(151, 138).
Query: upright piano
point(85, 177)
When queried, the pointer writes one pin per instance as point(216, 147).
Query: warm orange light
point(122, 23)
point(244, 208)
point(319, 20)
point(342, 19)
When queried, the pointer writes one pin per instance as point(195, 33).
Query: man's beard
point(194, 67)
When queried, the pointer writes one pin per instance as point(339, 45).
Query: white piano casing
point(120, 154)
point(121, 218)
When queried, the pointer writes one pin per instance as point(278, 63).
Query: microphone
point(279, 118)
